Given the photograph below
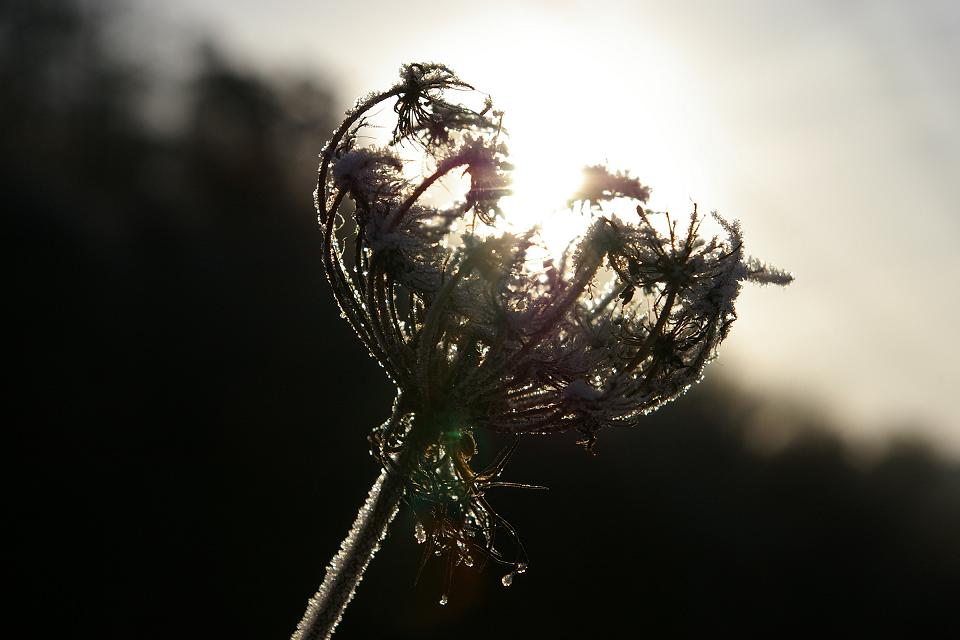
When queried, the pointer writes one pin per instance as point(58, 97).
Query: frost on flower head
point(484, 331)
point(423, 113)
point(600, 185)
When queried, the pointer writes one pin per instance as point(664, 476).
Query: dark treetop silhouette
point(492, 333)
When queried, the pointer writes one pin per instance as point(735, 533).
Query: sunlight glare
point(567, 112)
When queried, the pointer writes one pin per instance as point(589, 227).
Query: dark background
point(190, 413)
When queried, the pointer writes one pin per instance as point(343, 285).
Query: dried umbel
point(481, 326)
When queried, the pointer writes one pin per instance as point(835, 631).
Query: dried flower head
point(489, 331)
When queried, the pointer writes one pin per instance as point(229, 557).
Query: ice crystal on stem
point(481, 333)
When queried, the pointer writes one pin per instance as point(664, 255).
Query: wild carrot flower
point(490, 330)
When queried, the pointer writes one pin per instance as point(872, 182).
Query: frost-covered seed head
point(487, 331)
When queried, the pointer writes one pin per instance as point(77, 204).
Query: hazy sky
point(829, 128)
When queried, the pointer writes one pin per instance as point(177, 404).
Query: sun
point(541, 186)
point(649, 124)
point(633, 108)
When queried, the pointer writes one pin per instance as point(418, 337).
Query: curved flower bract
point(487, 331)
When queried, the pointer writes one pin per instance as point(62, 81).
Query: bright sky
point(830, 129)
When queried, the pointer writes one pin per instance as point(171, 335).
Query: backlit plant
point(482, 327)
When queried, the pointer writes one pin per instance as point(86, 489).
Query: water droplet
point(507, 580)
point(419, 533)
point(443, 600)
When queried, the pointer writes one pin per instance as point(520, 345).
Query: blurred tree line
point(190, 413)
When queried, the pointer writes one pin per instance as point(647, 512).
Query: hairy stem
point(326, 607)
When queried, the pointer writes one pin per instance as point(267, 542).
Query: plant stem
point(325, 609)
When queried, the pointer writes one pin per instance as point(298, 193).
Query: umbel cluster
point(483, 328)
